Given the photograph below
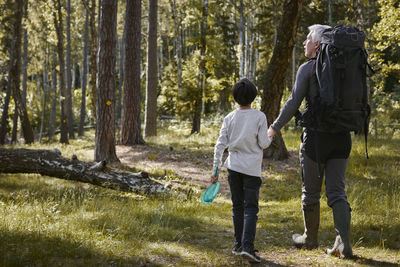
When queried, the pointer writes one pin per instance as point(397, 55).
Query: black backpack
point(341, 105)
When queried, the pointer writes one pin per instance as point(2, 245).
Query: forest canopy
point(202, 48)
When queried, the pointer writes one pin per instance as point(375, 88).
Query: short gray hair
point(316, 31)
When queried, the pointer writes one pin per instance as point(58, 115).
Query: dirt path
point(193, 167)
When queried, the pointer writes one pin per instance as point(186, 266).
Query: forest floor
point(52, 222)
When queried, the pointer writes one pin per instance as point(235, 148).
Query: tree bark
point(120, 82)
point(84, 75)
point(51, 163)
point(70, 115)
point(15, 126)
point(53, 102)
point(242, 41)
point(44, 84)
point(178, 45)
point(25, 60)
point(130, 121)
point(58, 23)
point(275, 74)
point(150, 120)
point(4, 116)
point(93, 55)
point(105, 108)
point(15, 73)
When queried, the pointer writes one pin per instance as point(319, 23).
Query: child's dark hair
point(244, 92)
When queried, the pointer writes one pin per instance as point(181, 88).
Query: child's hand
point(214, 179)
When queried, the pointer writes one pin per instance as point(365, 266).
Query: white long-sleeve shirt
point(244, 132)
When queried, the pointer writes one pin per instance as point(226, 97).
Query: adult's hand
point(271, 132)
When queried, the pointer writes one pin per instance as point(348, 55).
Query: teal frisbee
point(210, 193)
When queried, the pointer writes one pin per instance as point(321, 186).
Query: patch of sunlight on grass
point(168, 248)
point(45, 221)
point(177, 135)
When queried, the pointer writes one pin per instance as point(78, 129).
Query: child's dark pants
point(245, 192)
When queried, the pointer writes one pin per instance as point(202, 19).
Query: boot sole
point(250, 257)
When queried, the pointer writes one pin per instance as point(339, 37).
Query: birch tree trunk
point(105, 109)
point(150, 120)
point(51, 163)
point(275, 74)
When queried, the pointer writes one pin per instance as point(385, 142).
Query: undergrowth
point(46, 221)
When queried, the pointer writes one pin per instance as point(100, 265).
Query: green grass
point(52, 222)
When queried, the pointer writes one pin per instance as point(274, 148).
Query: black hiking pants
point(244, 194)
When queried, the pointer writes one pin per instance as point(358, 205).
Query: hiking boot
point(309, 239)
point(237, 249)
point(341, 218)
point(251, 256)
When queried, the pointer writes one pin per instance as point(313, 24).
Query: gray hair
point(316, 31)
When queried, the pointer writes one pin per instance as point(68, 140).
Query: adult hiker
point(321, 152)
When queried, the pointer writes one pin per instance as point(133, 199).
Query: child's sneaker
point(237, 249)
point(251, 256)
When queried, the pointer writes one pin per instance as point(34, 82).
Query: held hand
point(214, 179)
point(271, 132)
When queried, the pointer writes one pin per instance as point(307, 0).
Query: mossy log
point(51, 163)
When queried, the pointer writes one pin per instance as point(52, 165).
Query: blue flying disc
point(210, 193)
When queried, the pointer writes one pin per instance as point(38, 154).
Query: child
point(244, 132)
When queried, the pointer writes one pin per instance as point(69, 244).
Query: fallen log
point(51, 163)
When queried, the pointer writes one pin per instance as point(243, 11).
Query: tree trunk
point(130, 121)
point(105, 119)
point(178, 45)
point(93, 56)
point(330, 12)
point(84, 75)
point(53, 102)
point(58, 23)
point(242, 41)
point(358, 14)
point(150, 120)
point(45, 78)
point(70, 115)
point(15, 126)
point(293, 65)
point(275, 74)
point(4, 116)
point(51, 163)
point(196, 123)
point(15, 73)
point(25, 61)
point(252, 51)
point(120, 82)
